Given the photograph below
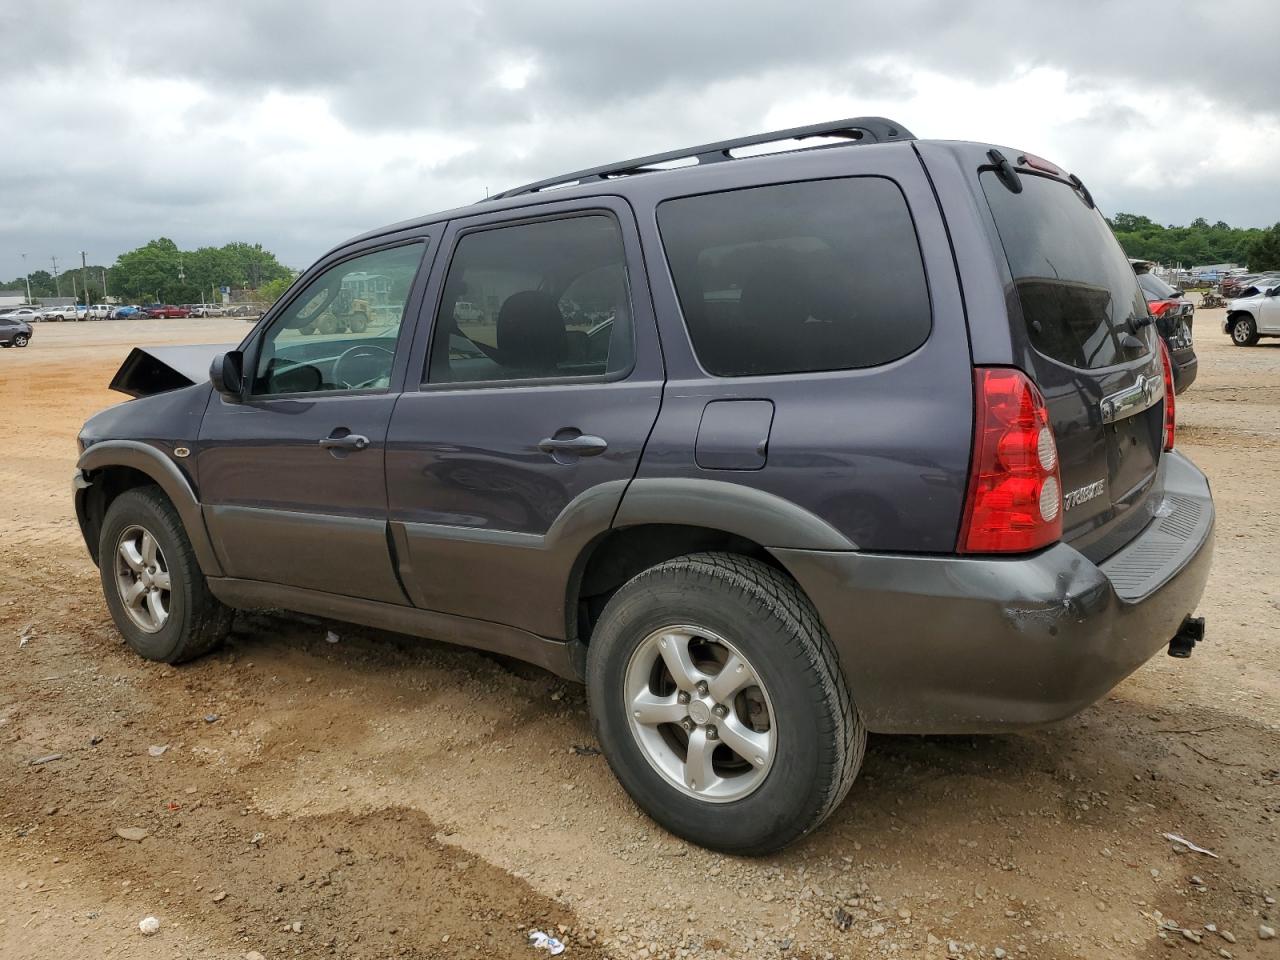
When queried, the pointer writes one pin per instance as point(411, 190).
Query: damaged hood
point(150, 370)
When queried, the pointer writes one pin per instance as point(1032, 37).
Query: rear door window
point(798, 277)
point(543, 300)
point(1078, 291)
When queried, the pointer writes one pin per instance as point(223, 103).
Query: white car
point(24, 314)
point(61, 313)
point(206, 310)
point(1250, 318)
point(99, 311)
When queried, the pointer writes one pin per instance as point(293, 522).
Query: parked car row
point(106, 311)
point(1247, 284)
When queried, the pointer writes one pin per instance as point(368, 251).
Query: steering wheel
point(374, 364)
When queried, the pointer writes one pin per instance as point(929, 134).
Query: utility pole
point(84, 278)
point(26, 273)
point(104, 283)
point(57, 284)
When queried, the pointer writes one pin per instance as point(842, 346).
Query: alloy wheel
point(142, 578)
point(700, 713)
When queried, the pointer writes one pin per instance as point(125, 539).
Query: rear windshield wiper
point(1004, 171)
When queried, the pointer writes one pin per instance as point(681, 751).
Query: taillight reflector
point(1170, 418)
point(1014, 503)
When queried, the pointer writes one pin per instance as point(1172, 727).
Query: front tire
point(1244, 332)
point(158, 598)
point(21, 340)
point(717, 696)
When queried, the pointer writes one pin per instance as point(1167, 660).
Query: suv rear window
point(799, 277)
point(1153, 286)
point(1077, 288)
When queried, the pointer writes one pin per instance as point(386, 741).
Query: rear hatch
point(1081, 323)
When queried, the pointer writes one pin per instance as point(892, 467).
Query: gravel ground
point(381, 796)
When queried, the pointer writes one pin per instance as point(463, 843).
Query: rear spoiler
point(151, 370)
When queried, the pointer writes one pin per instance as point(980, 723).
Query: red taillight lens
point(1170, 420)
point(1158, 307)
point(1015, 490)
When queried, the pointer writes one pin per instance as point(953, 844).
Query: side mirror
point(227, 374)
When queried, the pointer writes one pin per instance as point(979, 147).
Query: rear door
point(535, 384)
point(1080, 317)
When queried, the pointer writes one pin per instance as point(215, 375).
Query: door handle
point(352, 441)
point(584, 445)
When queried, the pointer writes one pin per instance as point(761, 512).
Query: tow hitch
point(1189, 634)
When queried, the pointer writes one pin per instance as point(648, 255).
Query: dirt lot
point(385, 797)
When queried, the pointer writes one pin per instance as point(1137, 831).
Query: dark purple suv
point(771, 451)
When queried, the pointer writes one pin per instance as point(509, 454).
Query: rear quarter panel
point(881, 454)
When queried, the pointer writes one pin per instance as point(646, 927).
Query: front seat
point(530, 334)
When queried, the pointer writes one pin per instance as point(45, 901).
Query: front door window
point(340, 333)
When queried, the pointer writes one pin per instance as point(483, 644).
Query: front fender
point(156, 465)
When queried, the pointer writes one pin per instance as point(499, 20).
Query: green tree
point(159, 270)
point(273, 290)
point(1264, 251)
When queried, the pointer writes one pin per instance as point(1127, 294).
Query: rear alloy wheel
point(719, 702)
point(700, 713)
point(1244, 332)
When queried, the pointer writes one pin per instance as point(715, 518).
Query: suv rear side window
point(1077, 288)
point(541, 300)
point(798, 277)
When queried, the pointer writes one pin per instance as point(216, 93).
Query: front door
point(292, 474)
point(1269, 312)
point(540, 382)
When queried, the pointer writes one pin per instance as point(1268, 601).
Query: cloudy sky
point(299, 124)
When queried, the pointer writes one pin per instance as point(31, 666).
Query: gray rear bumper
point(961, 645)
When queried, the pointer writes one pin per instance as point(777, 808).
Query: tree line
point(160, 272)
point(1200, 242)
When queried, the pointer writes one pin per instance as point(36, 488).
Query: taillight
point(1157, 307)
point(1169, 417)
point(1015, 489)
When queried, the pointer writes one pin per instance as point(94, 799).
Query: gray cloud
point(297, 125)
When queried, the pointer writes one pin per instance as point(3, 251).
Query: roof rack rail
point(855, 130)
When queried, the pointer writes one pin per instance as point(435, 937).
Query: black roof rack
point(855, 130)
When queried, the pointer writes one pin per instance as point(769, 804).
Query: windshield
point(1080, 298)
point(1156, 288)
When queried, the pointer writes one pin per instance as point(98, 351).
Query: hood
point(150, 370)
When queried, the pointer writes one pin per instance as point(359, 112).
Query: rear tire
point(158, 598)
point(775, 756)
point(1244, 332)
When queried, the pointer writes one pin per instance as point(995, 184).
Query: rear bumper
point(966, 645)
point(1185, 367)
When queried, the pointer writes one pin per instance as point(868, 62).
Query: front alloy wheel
point(700, 714)
point(1243, 332)
point(142, 579)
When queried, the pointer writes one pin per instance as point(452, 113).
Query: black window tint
point(1077, 289)
point(541, 300)
point(819, 275)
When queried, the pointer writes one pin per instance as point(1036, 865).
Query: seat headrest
point(530, 332)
